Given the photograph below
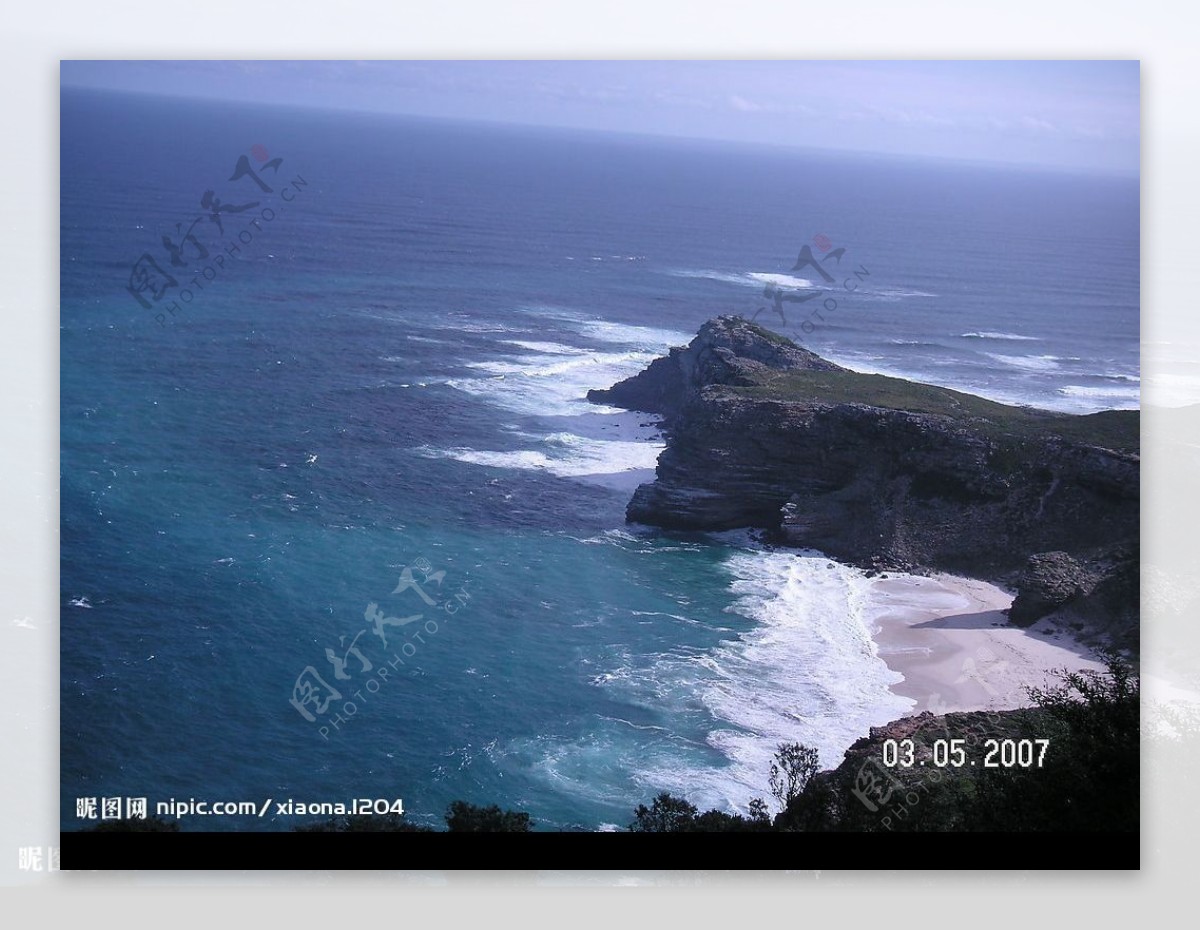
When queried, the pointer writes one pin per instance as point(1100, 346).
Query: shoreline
point(956, 651)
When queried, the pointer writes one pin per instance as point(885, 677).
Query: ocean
point(356, 458)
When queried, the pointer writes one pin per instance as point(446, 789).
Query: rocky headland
point(892, 474)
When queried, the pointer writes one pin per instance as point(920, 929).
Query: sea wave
point(550, 384)
point(1011, 337)
point(916, 342)
point(805, 669)
point(890, 293)
point(1116, 393)
point(808, 671)
point(645, 338)
point(755, 279)
point(564, 455)
point(760, 279)
point(1029, 362)
point(547, 348)
point(552, 378)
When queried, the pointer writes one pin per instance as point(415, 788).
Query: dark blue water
point(389, 372)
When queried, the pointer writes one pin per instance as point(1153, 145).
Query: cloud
point(1040, 125)
point(746, 106)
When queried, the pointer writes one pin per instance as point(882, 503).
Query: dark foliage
point(462, 817)
point(669, 814)
point(1090, 778)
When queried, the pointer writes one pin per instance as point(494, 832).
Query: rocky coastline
point(890, 474)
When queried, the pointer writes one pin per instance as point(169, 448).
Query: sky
point(1074, 115)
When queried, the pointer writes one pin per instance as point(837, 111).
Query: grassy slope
point(1109, 429)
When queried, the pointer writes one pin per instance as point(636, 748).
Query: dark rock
point(1104, 589)
point(727, 350)
point(1049, 581)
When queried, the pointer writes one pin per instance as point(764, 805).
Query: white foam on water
point(1028, 362)
point(1079, 390)
point(550, 384)
point(754, 279)
point(1078, 398)
point(549, 348)
point(1013, 337)
point(808, 671)
point(779, 280)
point(612, 537)
point(891, 293)
point(759, 279)
point(645, 338)
point(567, 456)
point(550, 381)
point(472, 326)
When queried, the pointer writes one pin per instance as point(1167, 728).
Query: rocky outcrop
point(728, 351)
point(888, 473)
point(1100, 592)
point(1049, 581)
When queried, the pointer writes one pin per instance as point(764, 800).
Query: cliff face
point(892, 474)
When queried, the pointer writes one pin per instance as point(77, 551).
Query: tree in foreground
point(462, 817)
point(1090, 778)
point(667, 814)
point(792, 769)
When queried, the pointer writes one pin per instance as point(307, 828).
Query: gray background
point(35, 36)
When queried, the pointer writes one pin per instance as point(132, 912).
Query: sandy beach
point(947, 636)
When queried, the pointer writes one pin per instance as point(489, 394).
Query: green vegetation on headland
point(1088, 780)
point(1118, 430)
point(734, 357)
point(765, 334)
